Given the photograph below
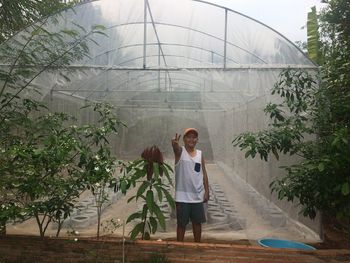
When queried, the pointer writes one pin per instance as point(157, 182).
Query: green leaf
point(98, 27)
point(131, 198)
point(160, 216)
point(275, 153)
point(142, 189)
point(134, 216)
point(159, 192)
point(139, 173)
point(154, 224)
point(70, 32)
point(123, 186)
point(170, 199)
point(136, 230)
point(321, 167)
point(312, 35)
point(345, 189)
point(150, 200)
point(79, 26)
point(166, 169)
point(144, 211)
point(281, 194)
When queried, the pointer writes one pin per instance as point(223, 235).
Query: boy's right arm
point(176, 147)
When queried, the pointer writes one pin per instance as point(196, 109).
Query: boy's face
point(190, 139)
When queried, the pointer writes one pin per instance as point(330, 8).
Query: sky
point(285, 16)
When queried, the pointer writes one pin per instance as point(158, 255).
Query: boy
point(191, 184)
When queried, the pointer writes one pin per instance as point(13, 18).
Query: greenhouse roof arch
point(174, 47)
point(190, 23)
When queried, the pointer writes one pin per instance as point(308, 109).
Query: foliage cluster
point(321, 180)
point(45, 161)
point(16, 15)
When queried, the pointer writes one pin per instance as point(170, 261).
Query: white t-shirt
point(189, 187)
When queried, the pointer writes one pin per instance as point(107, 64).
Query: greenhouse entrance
point(165, 66)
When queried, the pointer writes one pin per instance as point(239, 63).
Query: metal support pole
point(225, 38)
point(165, 79)
point(127, 80)
point(211, 75)
point(144, 33)
point(158, 68)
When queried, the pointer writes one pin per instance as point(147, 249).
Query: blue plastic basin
point(282, 243)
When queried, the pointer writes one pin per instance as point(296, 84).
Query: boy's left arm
point(205, 182)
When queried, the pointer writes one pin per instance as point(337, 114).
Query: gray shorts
point(187, 211)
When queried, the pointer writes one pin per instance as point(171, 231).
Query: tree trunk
point(3, 229)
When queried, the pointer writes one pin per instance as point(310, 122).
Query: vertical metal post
point(165, 80)
point(144, 33)
point(211, 75)
point(127, 80)
point(158, 68)
point(225, 38)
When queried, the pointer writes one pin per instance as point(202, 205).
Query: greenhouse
point(167, 65)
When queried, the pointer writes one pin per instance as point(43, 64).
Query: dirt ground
point(335, 235)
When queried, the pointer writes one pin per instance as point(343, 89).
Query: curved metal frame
point(194, 30)
point(164, 44)
point(166, 69)
point(236, 12)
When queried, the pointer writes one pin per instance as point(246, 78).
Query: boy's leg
point(197, 231)
point(183, 216)
point(180, 233)
point(197, 217)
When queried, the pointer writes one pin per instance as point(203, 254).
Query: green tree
point(321, 181)
point(96, 162)
point(16, 15)
point(47, 163)
point(35, 165)
point(38, 176)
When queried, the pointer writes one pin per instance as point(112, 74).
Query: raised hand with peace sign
point(176, 146)
point(175, 140)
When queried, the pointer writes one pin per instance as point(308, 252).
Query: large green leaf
point(313, 35)
point(150, 200)
point(142, 189)
point(345, 189)
point(159, 215)
point(166, 168)
point(136, 230)
point(144, 211)
point(159, 192)
point(123, 186)
point(154, 224)
point(134, 216)
point(168, 196)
